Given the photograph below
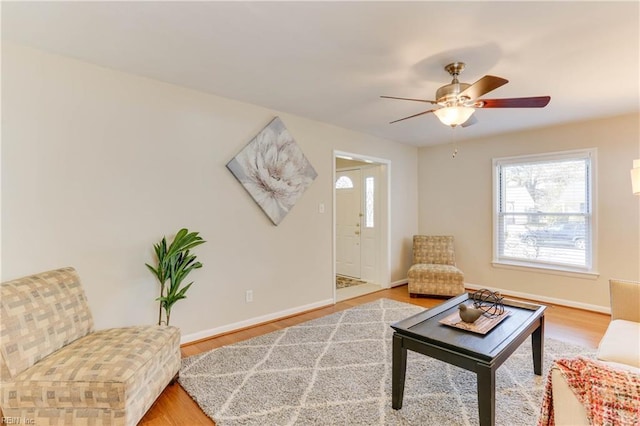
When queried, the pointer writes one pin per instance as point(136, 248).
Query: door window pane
point(344, 182)
point(369, 191)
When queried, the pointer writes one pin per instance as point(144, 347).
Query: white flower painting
point(273, 169)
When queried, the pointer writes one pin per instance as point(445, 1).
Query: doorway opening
point(361, 225)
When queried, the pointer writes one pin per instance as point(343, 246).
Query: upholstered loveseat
point(56, 370)
point(618, 359)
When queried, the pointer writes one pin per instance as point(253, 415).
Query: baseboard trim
point(399, 282)
point(252, 322)
point(544, 299)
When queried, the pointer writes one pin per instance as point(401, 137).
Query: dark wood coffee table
point(482, 354)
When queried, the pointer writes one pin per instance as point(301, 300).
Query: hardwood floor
point(175, 406)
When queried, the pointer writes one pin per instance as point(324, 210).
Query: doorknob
point(357, 232)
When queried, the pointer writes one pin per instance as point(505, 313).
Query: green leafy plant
point(175, 262)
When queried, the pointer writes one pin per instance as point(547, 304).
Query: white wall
point(98, 165)
point(456, 195)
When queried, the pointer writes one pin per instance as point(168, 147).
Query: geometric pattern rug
point(336, 370)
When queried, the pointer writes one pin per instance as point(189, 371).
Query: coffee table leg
point(537, 347)
point(486, 395)
point(398, 371)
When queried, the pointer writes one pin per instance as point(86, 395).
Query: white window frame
point(589, 271)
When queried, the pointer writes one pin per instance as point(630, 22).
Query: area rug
point(344, 282)
point(336, 370)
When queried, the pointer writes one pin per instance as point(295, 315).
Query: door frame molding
point(384, 267)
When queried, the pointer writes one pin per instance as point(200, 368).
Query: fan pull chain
point(454, 141)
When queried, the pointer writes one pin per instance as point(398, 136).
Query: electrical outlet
point(249, 296)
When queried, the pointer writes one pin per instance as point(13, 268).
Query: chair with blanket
point(582, 391)
point(434, 270)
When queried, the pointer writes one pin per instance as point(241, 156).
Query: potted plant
point(174, 263)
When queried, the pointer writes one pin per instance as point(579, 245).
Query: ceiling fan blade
point(533, 102)
point(482, 87)
point(472, 120)
point(411, 116)
point(410, 99)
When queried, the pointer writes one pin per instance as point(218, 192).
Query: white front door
point(348, 222)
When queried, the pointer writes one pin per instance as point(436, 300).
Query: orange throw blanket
point(610, 396)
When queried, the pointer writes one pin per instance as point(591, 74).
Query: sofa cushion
point(436, 249)
point(433, 273)
point(568, 409)
point(442, 280)
point(101, 370)
point(621, 343)
point(39, 315)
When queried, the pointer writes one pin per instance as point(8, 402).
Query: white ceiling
point(330, 61)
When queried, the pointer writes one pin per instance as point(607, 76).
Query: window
point(344, 182)
point(368, 201)
point(543, 211)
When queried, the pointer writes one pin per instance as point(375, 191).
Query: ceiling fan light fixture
point(455, 115)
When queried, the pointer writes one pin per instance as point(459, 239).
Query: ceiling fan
point(458, 101)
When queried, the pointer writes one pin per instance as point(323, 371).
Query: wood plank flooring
point(175, 406)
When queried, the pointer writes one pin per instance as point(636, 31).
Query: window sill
point(567, 272)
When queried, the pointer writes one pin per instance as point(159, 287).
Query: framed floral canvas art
point(273, 170)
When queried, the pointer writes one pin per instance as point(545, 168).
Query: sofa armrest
point(604, 393)
point(568, 411)
point(625, 300)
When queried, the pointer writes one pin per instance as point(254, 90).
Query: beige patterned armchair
point(434, 270)
point(56, 370)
